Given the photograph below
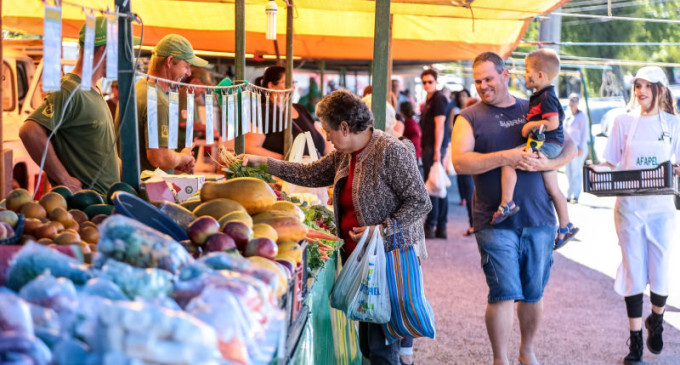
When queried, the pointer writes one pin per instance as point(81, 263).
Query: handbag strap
point(398, 240)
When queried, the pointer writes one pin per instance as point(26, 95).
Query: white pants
point(574, 171)
point(646, 230)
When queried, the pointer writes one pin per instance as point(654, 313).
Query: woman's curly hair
point(343, 105)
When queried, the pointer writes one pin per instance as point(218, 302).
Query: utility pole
point(550, 30)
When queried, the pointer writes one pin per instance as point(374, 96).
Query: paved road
point(584, 320)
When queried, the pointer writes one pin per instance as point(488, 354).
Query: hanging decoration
point(52, 49)
point(260, 110)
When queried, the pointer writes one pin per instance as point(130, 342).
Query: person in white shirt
point(642, 139)
point(577, 127)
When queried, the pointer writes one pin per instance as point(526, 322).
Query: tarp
point(422, 30)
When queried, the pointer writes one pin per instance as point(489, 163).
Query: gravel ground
point(584, 319)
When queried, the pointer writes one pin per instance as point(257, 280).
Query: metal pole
point(127, 104)
point(381, 43)
point(322, 71)
point(288, 134)
point(240, 65)
point(2, 137)
point(584, 85)
point(356, 82)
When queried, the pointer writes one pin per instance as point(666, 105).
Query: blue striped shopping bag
point(412, 315)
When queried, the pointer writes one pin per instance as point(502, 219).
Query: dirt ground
point(584, 319)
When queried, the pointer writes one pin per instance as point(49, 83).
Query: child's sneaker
point(504, 212)
point(569, 232)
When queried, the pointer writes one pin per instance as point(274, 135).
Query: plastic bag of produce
point(136, 332)
point(348, 282)
point(104, 288)
point(437, 181)
point(127, 240)
point(46, 324)
point(136, 282)
point(34, 259)
point(372, 302)
point(50, 292)
point(225, 261)
point(15, 315)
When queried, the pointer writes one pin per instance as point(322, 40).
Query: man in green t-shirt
point(171, 59)
point(82, 153)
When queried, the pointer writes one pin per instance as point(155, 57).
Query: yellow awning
point(422, 30)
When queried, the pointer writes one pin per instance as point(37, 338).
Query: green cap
point(99, 32)
point(178, 47)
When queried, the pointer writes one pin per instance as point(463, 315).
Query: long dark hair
point(406, 108)
point(272, 74)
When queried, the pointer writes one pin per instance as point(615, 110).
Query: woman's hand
point(253, 160)
point(356, 232)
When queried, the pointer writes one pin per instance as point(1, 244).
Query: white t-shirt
point(649, 128)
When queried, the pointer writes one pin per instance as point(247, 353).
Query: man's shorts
point(516, 263)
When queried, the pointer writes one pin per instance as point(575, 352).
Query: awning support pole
point(584, 85)
point(288, 135)
point(240, 64)
point(322, 84)
point(127, 105)
point(381, 45)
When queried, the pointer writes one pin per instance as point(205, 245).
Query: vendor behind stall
point(172, 59)
point(83, 141)
point(377, 183)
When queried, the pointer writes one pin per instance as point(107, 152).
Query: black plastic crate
point(660, 180)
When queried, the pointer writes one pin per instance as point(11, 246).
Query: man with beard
point(172, 59)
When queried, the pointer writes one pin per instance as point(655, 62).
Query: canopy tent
point(423, 30)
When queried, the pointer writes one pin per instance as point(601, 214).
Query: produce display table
point(328, 337)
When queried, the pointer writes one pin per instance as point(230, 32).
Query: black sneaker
point(441, 232)
point(429, 232)
point(654, 325)
point(635, 346)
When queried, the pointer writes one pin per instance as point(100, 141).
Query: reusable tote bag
point(412, 315)
point(297, 152)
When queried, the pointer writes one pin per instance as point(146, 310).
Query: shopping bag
point(437, 181)
point(372, 302)
point(348, 281)
point(412, 315)
point(297, 154)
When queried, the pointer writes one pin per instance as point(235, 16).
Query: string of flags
point(245, 108)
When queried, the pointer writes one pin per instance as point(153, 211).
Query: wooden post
point(2, 137)
point(381, 43)
point(240, 64)
point(322, 71)
point(127, 105)
point(288, 135)
point(389, 65)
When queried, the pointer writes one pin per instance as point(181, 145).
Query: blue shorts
point(550, 150)
point(516, 262)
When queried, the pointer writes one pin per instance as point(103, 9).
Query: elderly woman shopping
point(376, 183)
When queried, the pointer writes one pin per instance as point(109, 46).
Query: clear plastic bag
point(437, 181)
point(136, 282)
point(50, 292)
point(127, 240)
point(104, 288)
point(34, 259)
point(372, 301)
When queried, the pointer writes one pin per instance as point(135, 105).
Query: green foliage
point(238, 170)
point(591, 30)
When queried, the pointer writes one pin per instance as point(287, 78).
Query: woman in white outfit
point(577, 127)
point(642, 139)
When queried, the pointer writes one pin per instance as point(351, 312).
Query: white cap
point(652, 74)
point(574, 96)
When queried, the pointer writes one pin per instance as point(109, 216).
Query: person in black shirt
point(435, 140)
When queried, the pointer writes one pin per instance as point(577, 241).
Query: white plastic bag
point(297, 154)
point(362, 297)
point(372, 302)
point(437, 181)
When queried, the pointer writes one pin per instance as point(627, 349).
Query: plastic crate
point(659, 180)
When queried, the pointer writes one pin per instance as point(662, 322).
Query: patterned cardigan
point(387, 186)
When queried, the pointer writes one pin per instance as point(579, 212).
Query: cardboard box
point(185, 185)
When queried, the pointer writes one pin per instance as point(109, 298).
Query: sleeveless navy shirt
point(497, 129)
